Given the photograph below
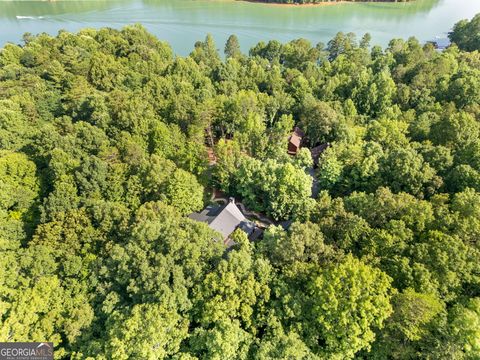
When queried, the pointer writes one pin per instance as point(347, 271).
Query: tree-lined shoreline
point(105, 137)
point(320, 2)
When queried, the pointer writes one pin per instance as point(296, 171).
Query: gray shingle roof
point(206, 215)
point(228, 220)
point(224, 219)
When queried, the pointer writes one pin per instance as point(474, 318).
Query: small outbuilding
point(295, 141)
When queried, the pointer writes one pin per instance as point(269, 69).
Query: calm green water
point(182, 22)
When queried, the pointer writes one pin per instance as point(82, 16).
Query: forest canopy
point(105, 144)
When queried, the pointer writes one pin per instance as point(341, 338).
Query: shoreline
point(325, 3)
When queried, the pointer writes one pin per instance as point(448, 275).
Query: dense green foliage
point(466, 34)
point(103, 151)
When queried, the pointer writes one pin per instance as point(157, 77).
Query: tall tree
point(232, 48)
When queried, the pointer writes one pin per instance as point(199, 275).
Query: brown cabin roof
point(295, 139)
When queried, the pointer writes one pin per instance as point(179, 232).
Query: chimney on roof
point(231, 200)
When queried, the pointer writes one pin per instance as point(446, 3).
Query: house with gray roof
point(226, 219)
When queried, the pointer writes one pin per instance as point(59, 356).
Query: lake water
point(182, 22)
